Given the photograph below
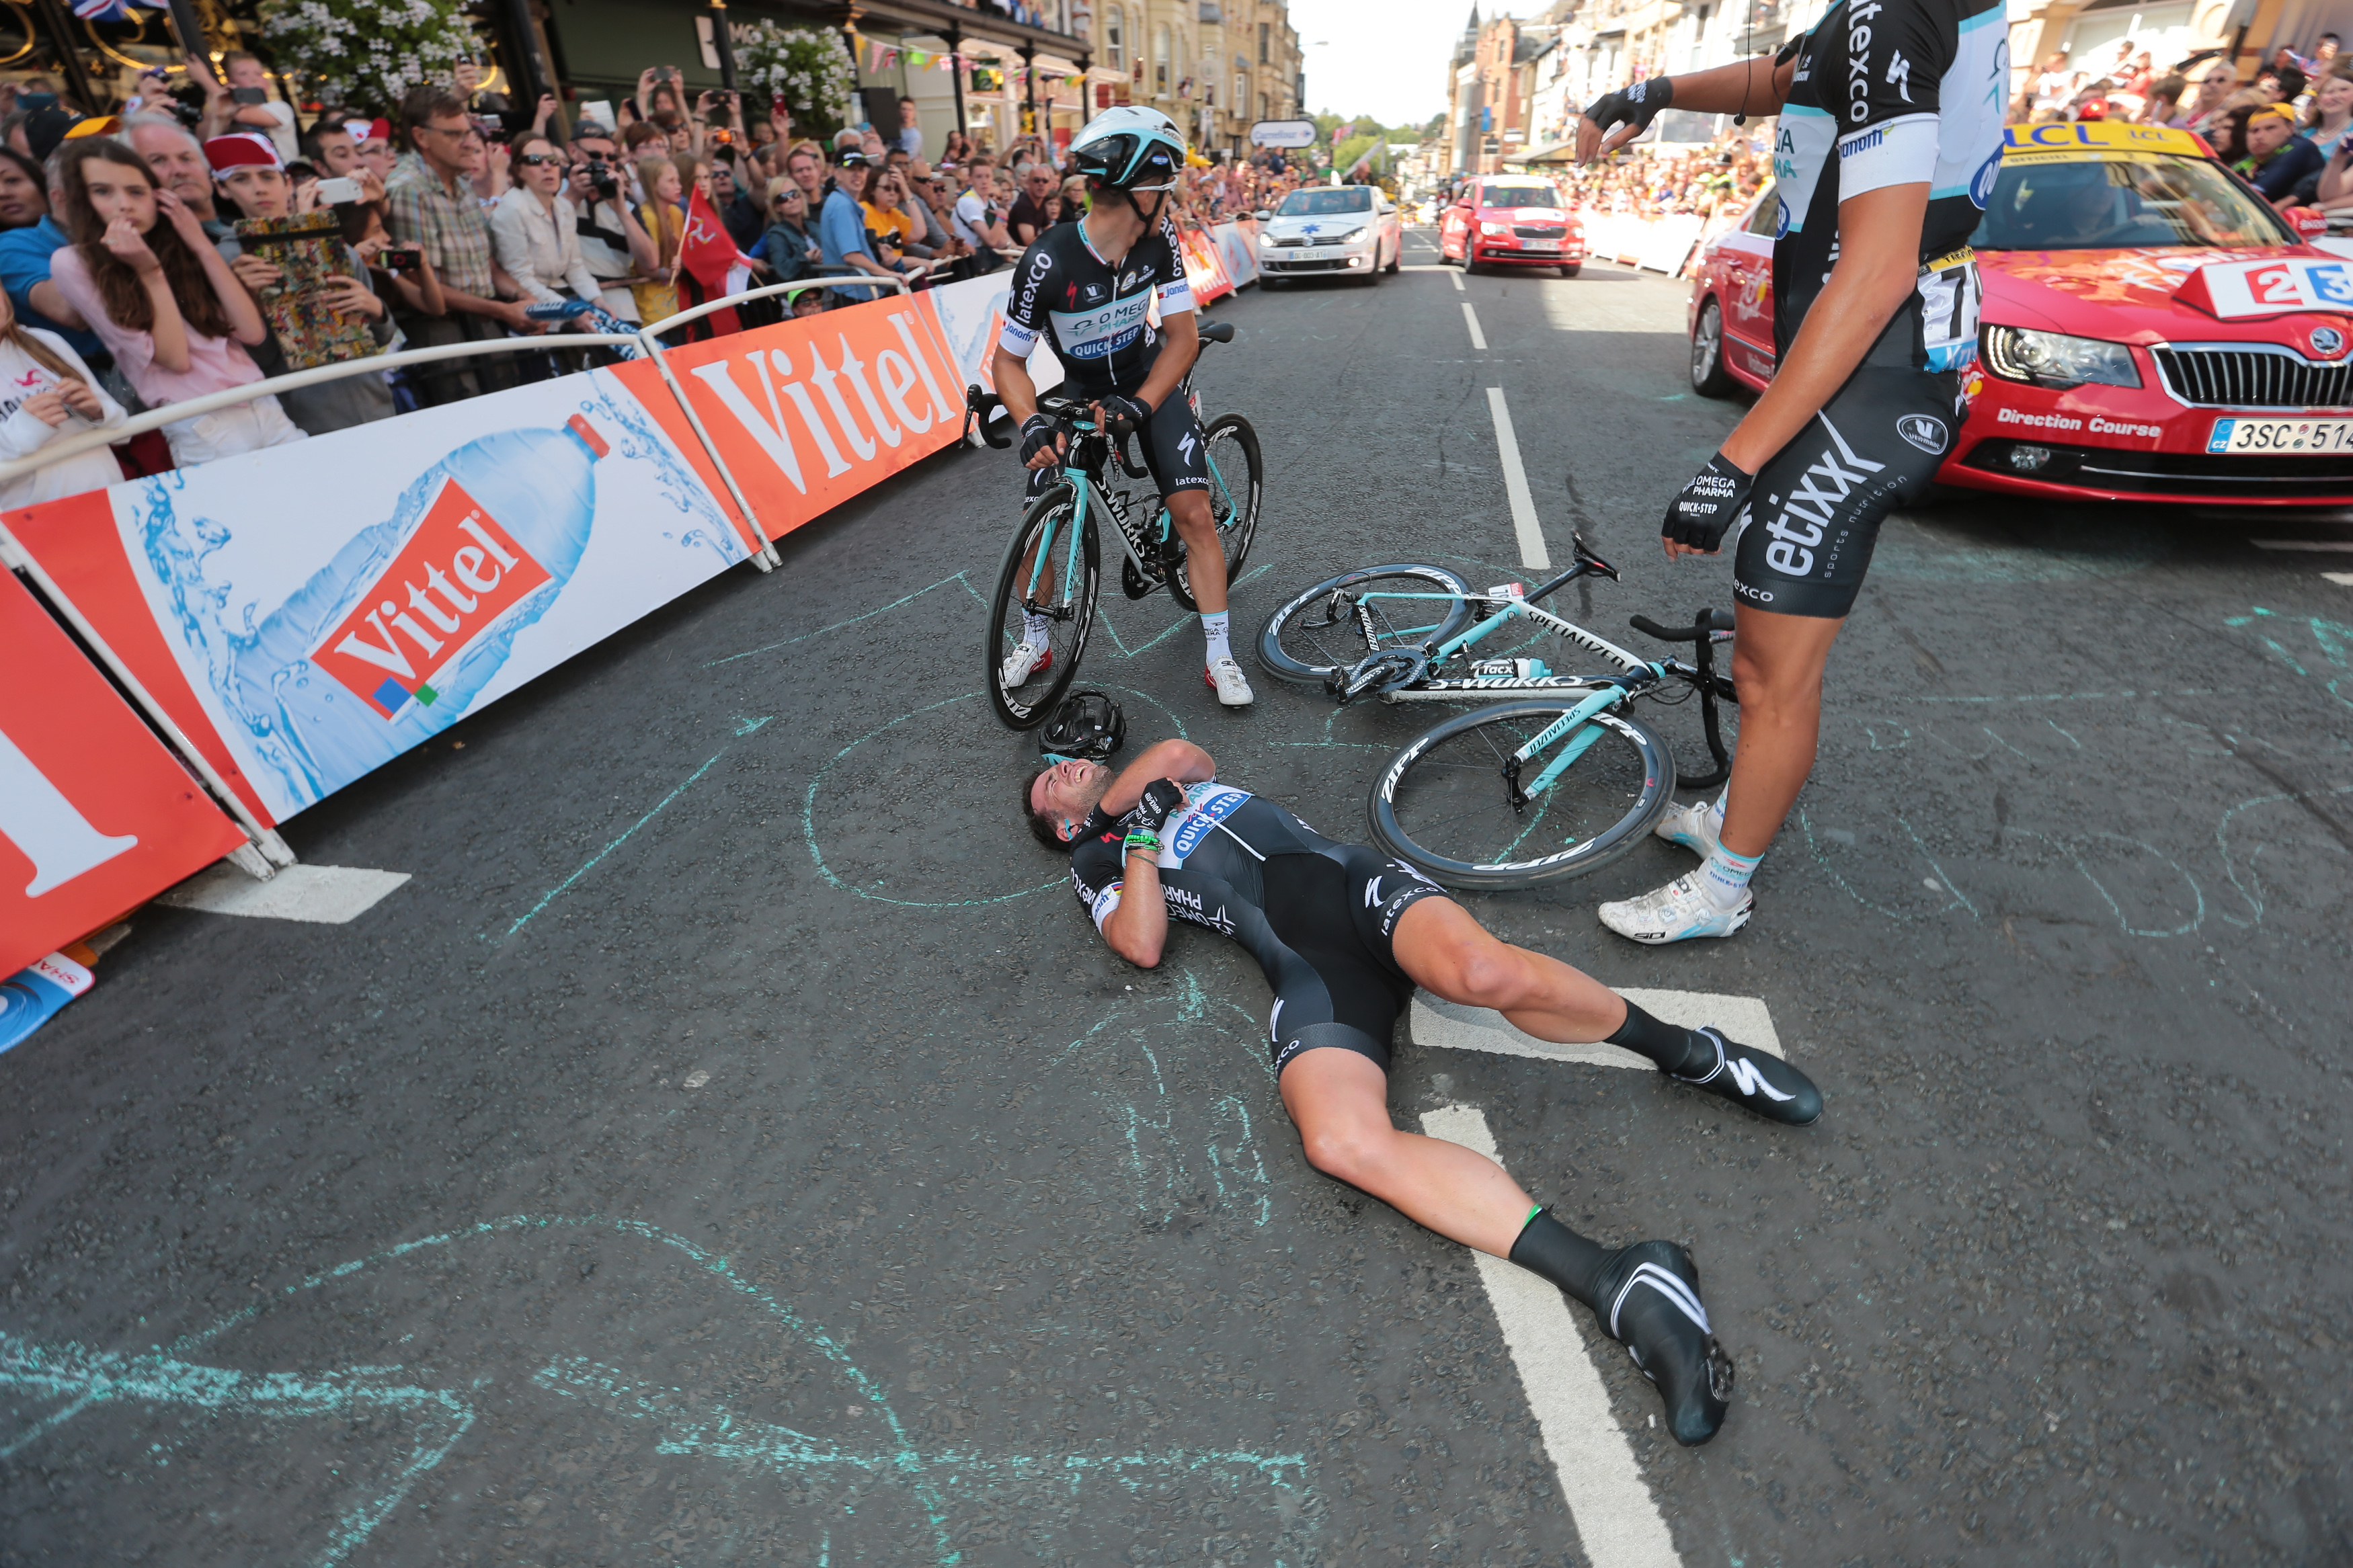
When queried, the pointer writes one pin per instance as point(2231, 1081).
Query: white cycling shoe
point(1225, 679)
point(1676, 912)
point(1691, 826)
point(1026, 660)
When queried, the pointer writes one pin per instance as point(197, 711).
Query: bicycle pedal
point(1131, 583)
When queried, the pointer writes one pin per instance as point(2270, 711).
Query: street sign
point(1284, 134)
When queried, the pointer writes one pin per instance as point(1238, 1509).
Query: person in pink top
point(142, 273)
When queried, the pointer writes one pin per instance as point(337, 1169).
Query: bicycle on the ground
point(1558, 776)
point(1051, 568)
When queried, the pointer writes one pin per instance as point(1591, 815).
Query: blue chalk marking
point(1104, 618)
point(609, 849)
point(771, 647)
point(745, 726)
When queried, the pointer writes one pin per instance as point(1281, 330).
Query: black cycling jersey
point(1091, 313)
point(1886, 93)
point(1892, 92)
point(1318, 915)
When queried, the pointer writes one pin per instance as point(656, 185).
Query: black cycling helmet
point(1088, 727)
point(1130, 148)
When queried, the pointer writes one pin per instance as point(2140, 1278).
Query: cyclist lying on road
point(1344, 935)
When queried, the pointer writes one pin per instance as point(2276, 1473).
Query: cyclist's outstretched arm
point(1756, 86)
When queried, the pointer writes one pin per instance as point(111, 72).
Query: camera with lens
point(601, 178)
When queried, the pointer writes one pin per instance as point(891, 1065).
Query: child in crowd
point(665, 223)
point(45, 393)
point(146, 276)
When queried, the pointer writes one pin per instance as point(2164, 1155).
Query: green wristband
point(1145, 839)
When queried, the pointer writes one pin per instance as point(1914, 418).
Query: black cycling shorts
point(1813, 517)
point(1336, 981)
point(1172, 447)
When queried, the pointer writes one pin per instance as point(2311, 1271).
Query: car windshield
point(1522, 197)
point(2109, 204)
point(1327, 203)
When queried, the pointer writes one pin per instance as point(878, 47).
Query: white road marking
point(323, 895)
point(2342, 579)
point(1452, 1026)
point(1450, 272)
point(2325, 546)
point(1471, 319)
point(1617, 1521)
point(1516, 478)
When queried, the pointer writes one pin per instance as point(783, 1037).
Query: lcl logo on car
point(2327, 341)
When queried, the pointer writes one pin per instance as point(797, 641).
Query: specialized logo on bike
point(446, 591)
point(1208, 805)
point(1101, 334)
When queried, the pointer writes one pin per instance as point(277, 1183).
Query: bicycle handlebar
point(1703, 622)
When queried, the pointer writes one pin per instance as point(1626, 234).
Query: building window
point(1160, 60)
point(1115, 38)
point(1264, 30)
point(1241, 83)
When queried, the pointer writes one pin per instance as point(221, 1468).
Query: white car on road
point(1352, 231)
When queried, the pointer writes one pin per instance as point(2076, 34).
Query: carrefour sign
point(1284, 134)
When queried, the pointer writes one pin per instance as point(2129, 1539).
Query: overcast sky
point(1385, 58)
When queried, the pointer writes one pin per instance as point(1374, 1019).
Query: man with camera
point(613, 245)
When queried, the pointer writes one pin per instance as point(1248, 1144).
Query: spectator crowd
point(207, 237)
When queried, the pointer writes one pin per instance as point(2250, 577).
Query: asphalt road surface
point(734, 1145)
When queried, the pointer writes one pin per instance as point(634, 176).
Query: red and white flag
point(708, 252)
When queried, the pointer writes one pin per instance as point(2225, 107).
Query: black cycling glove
point(1160, 797)
point(1636, 105)
point(1711, 503)
point(1125, 412)
point(1039, 432)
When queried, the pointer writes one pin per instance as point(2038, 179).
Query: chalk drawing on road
point(873, 854)
point(2332, 643)
point(1162, 1163)
point(1947, 548)
point(422, 1416)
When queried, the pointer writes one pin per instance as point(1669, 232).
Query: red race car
point(2150, 330)
point(1511, 220)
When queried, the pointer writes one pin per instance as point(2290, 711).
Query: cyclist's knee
point(1479, 971)
point(1775, 682)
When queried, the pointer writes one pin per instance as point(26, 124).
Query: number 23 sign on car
point(2234, 289)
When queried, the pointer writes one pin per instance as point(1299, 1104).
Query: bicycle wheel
point(1316, 632)
point(1065, 599)
point(1236, 475)
point(1444, 802)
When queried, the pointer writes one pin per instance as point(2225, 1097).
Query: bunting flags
point(879, 56)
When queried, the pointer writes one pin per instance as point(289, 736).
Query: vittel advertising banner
point(95, 815)
point(309, 612)
point(808, 412)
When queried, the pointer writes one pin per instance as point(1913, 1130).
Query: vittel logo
point(449, 586)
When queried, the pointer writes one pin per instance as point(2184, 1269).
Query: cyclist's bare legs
point(1205, 554)
point(1777, 664)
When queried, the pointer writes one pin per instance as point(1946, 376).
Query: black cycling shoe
point(1759, 1080)
point(1649, 1300)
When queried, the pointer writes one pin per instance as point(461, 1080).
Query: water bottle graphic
point(392, 640)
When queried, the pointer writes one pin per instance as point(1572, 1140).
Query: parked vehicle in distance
point(2151, 330)
point(1351, 230)
point(1511, 220)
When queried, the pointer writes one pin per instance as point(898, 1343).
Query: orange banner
point(808, 412)
point(1205, 270)
point(96, 816)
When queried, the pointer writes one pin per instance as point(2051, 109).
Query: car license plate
point(1539, 245)
point(1314, 253)
point(2260, 437)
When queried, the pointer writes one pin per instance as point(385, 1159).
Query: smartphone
point(492, 127)
point(339, 192)
point(408, 259)
point(250, 94)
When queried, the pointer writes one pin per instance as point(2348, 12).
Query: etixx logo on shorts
point(1924, 431)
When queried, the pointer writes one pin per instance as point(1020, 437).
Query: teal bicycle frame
point(1090, 501)
point(1609, 691)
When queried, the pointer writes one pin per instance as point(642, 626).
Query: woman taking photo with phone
point(141, 272)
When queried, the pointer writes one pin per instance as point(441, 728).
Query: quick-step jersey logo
point(1213, 803)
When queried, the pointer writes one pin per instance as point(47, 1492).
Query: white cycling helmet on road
point(1130, 148)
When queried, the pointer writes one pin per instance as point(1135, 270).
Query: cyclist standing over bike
point(1087, 288)
point(1889, 138)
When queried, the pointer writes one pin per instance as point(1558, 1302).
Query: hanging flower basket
point(365, 54)
point(808, 70)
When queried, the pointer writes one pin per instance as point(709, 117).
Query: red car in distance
point(2150, 330)
point(1510, 220)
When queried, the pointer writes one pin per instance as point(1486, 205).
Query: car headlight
point(1265, 240)
point(1494, 227)
point(2054, 359)
point(1350, 237)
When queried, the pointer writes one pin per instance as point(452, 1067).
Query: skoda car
point(2150, 330)
point(1350, 231)
point(1511, 220)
